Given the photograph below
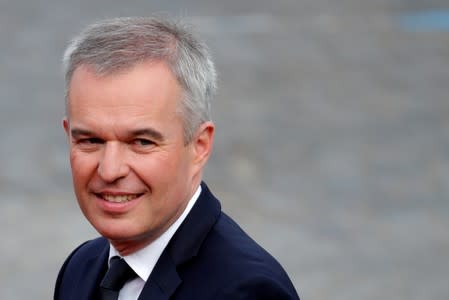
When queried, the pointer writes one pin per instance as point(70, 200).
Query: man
point(138, 124)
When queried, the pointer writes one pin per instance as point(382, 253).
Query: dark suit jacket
point(209, 257)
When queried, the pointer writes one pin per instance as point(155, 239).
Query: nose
point(112, 165)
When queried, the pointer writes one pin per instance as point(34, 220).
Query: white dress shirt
point(144, 260)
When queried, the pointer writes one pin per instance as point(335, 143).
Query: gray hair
point(116, 44)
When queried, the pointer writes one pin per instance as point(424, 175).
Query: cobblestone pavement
point(332, 147)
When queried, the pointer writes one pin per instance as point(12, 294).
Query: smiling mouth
point(118, 198)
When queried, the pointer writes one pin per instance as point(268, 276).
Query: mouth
point(118, 198)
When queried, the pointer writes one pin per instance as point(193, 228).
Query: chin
point(112, 229)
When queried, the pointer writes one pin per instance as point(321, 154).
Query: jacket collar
point(184, 245)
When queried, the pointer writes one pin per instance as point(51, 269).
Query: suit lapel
point(185, 244)
point(163, 280)
point(93, 270)
point(189, 237)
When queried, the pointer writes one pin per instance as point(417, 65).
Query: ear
point(66, 125)
point(203, 143)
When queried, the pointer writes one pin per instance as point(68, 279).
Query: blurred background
point(332, 148)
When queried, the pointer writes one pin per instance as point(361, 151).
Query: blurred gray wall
point(332, 147)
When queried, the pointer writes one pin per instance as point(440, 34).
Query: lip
point(117, 207)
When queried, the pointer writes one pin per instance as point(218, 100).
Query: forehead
point(147, 93)
point(145, 84)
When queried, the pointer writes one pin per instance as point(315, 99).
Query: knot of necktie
point(118, 274)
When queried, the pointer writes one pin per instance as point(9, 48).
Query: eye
point(143, 142)
point(90, 141)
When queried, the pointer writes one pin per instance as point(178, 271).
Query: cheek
point(153, 170)
point(160, 171)
point(82, 165)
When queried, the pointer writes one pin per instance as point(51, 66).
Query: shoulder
point(230, 240)
point(71, 267)
point(245, 251)
point(257, 286)
point(242, 268)
point(85, 251)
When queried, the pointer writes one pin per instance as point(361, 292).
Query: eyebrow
point(150, 132)
point(76, 132)
point(153, 133)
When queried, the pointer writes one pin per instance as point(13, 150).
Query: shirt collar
point(144, 260)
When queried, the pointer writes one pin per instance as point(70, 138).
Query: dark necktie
point(117, 275)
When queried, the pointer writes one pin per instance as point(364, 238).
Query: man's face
point(132, 172)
